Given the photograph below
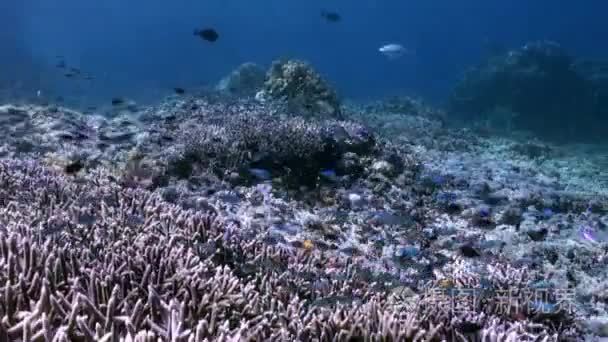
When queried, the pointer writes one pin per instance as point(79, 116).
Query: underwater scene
point(206, 170)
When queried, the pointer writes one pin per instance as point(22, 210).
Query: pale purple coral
point(85, 259)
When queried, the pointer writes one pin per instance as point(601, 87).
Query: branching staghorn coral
point(223, 139)
point(83, 259)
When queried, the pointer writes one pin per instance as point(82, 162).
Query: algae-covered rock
point(535, 88)
point(246, 80)
point(302, 88)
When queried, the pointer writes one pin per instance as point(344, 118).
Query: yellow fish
point(308, 245)
point(446, 283)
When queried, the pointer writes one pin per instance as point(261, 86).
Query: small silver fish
point(382, 217)
point(393, 50)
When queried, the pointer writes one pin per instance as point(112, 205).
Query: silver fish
point(393, 50)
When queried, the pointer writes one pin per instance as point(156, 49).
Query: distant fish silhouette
point(179, 91)
point(331, 16)
point(117, 101)
point(207, 34)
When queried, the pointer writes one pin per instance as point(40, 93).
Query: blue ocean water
point(141, 49)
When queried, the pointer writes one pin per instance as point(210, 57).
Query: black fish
point(75, 70)
point(207, 34)
point(69, 75)
point(117, 101)
point(468, 327)
point(469, 251)
point(331, 16)
point(179, 91)
point(73, 167)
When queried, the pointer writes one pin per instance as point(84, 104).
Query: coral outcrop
point(302, 88)
point(245, 137)
point(246, 80)
point(536, 88)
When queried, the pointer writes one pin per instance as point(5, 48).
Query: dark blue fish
point(207, 34)
point(484, 212)
point(488, 244)
point(86, 219)
point(229, 197)
point(331, 16)
point(134, 220)
point(407, 252)
point(273, 238)
point(433, 180)
point(362, 133)
point(388, 219)
point(288, 228)
point(260, 174)
point(329, 175)
point(446, 197)
point(438, 179)
point(117, 101)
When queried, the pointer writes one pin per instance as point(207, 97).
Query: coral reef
point(538, 87)
point(235, 141)
point(302, 88)
point(111, 262)
point(207, 217)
